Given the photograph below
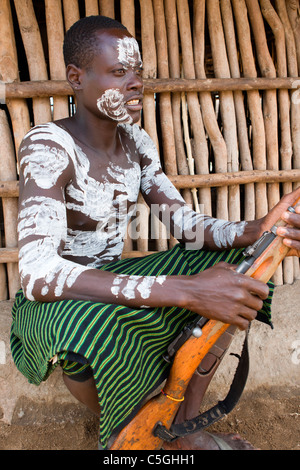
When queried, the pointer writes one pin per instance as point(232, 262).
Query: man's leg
point(85, 392)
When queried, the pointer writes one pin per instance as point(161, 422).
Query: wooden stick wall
point(222, 102)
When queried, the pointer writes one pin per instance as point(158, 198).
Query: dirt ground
point(270, 423)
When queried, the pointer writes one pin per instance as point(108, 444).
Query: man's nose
point(135, 81)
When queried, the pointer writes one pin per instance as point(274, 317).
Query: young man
point(108, 322)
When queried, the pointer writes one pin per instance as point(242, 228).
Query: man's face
point(113, 83)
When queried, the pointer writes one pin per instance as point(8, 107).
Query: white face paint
point(112, 104)
point(129, 52)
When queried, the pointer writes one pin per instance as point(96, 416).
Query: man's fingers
point(254, 286)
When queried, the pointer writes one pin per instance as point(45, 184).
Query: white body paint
point(45, 155)
point(46, 218)
point(224, 233)
point(129, 286)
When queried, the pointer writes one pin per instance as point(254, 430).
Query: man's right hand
point(220, 293)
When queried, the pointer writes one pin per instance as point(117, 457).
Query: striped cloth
point(123, 346)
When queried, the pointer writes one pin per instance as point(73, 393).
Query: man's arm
point(200, 230)
point(45, 170)
point(47, 276)
point(196, 229)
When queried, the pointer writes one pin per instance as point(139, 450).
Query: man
point(108, 322)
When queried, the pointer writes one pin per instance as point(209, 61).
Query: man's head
point(104, 68)
point(80, 40)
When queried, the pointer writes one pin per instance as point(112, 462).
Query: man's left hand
point(291, 232)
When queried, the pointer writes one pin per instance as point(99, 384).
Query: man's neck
point(100, 134)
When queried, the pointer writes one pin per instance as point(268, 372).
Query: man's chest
point(101, 190)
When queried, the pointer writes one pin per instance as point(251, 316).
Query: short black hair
point(79, 43)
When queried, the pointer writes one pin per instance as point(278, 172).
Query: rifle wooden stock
point(138, 434)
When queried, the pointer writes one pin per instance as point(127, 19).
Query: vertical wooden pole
point(269, 100)
point(91, 7)
point(149, 106)
point(206, 102)
point(128, 15)
point(243, 139)
point(10, 205)
point(258, 142)
point(164, 99)
point(71, 13)
point(221, 70)
point(164, 103)
point(199, 144)
point(107, 8)
point(293, 10)
point(273, 20)
point(55, 34)
point(35, 55)
point(174, 71)
point(17, 108)
point(19, 117)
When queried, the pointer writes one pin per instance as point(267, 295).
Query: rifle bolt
point(197, 332)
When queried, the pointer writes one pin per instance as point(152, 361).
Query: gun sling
point(218, 411)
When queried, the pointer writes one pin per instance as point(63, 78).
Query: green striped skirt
point(122, 346)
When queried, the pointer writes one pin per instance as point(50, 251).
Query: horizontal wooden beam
point(45, 88)
point(10, 255)
point(239, 177)
point(11, 188)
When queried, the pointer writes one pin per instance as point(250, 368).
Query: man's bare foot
point(206, 441)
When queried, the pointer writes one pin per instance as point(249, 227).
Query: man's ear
point(74, 74)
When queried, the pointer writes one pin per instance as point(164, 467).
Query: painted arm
point(47, 276)
point(195, 229)
point(46, 169)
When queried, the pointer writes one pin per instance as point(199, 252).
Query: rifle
point(152, 424)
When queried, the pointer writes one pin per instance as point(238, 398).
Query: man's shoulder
point(138, 135)
point(48, 133)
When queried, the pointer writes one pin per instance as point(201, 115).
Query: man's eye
point(120, 71)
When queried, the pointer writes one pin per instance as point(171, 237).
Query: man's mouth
point(134, 104)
